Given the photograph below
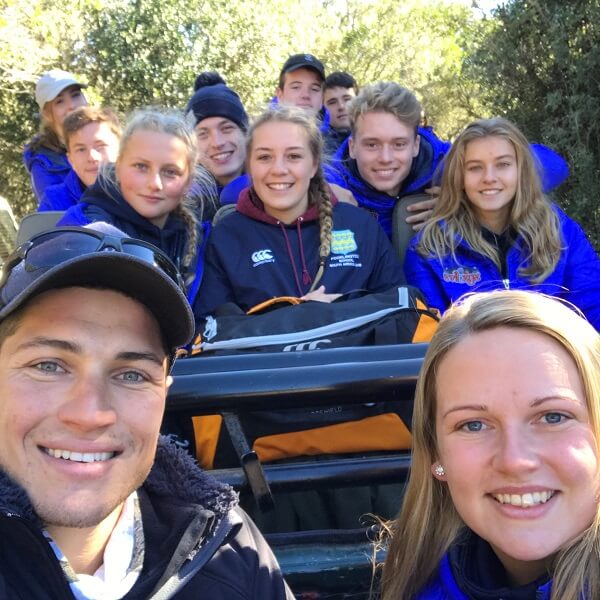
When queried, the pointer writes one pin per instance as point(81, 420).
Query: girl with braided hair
point(289, 235)
point(147, 193)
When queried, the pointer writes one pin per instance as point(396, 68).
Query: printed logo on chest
point(467, 275)
point(262, 257)
point(343, 249)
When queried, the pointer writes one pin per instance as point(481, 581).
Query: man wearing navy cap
point(92, 503)
point(301, 82)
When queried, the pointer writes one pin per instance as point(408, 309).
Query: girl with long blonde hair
point(492, 227)
point(502, 499)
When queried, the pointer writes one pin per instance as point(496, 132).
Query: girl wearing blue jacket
point(493, 228)
point(289, 236)
point(58, 93)
point(502, 500)
point(146, 192)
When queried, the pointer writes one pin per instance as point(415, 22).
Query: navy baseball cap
point(306, 61)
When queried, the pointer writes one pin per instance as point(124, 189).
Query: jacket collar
point(250, 205)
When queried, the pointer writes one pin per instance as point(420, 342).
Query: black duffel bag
point(396, 316)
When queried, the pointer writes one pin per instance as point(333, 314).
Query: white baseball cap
point(52, 83)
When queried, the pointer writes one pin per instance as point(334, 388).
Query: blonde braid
point(188, 216)
point(321, 194)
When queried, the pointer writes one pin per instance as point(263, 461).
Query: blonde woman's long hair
point(428, 522)
point(531, 214)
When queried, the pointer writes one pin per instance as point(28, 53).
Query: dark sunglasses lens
point(151, 256)
point(54, 248)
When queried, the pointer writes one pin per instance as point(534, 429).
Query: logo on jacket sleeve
point(342, 241)
point(468, 275)
point(261, 257)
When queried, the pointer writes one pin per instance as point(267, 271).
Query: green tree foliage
point(419, 44)
point(144, 52)
point(538, 66)
point(34, 37)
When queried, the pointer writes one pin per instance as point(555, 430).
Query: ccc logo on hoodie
point(261, 257)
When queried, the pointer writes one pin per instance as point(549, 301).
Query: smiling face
point(153, 174)
point(516, 444)
point(336, 101)
point(221, 148)
point(65, 103)
point(83, 386)
point(281, 166)
point(90, 146)
point(384, 148)
point(304, 88)
point(490, 180)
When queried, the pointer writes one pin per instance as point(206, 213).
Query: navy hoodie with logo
point(104, 202)
point(251, 256)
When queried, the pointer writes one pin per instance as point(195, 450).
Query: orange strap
point(271, 302)
point(372, 434)
point(426, 325)
point(206, 434)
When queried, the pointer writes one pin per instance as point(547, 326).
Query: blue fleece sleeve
point(420, 273)
point(76, 216)
point(334, 174)
point(55, 197)
point(582, 272)
point(41, 178)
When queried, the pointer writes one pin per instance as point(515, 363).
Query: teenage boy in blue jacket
point(340, 89)
point(388, 156)
point(92, 137)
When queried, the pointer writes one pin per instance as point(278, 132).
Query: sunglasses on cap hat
point(52, 248)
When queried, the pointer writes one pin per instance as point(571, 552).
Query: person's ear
point(417, 146)
point(279, 93)
point(437, 470)
point(351, 147)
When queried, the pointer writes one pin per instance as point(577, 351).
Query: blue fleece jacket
point(471, 569)
point(108, 205)
point(251, 256)
point(576, 277)
point(46, 167)
point(343, 171)
point(62, 195)
point(230, 193)
point(445, 586)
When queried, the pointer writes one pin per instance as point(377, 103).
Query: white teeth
point(525, 500)
point(385, 172)
point(490, 192)
point(86, 457)
point(221, 156)
point(279, 186)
